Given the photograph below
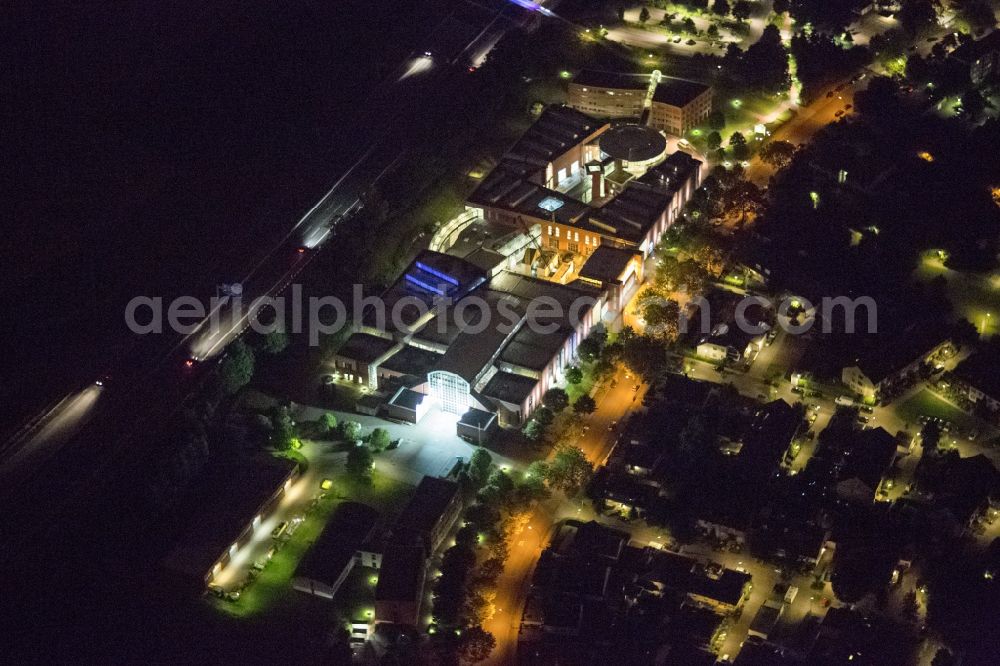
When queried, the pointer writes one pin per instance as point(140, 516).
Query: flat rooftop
point(429, 502)
point(509, 387)
point(350, 526)
point(633, 142)
point(365, 347)
point(220, 524)
point(671, 174)
point(607, 263)
point(631, 214)
point(677, 92)
point(400, 573)
point(411, 360)
point(407, 399)
point(509, 188)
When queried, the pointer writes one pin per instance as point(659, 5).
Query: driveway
point(428, 448)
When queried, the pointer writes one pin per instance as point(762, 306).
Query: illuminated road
point(52, 431)
point(613, 404)
point(807, 121)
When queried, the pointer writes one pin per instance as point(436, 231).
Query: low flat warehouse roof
point(236, 505)
point(427, 505)
point(400, 574)
point(351, 524)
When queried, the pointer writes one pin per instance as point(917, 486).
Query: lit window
point(557, 232)
point(576, 236)
point(550, 230)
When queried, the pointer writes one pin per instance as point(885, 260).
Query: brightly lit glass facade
point(450, 390)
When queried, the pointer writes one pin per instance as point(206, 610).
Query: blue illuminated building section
point(436, 273)
point(423, 285)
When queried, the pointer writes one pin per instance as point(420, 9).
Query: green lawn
point(271, 591)
point(927, 403)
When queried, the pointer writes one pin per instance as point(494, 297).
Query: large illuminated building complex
point(566, 221)
point(475, 355)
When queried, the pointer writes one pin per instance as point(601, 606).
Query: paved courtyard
point(428, 448)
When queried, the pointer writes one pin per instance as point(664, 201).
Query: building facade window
point(450, 390)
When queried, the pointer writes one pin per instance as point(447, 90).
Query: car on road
point(611, 426)
point(838, 114)
point(691, 42)
point(326, 380)
point(677, 39)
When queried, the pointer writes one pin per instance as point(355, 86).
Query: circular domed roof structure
point(633, 143)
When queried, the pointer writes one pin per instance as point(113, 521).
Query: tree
point(379, 440)
point(569, 470)
point(475, 645)
point(915, 15)
point(714, 140)
point(539, 469)
point(662, 316)
point(973, 105)
point(717, 120)
point(978, 13)
point(237, 368)
point(764, 66)
point(351, 430)
point(713, 31)
point(781, 6)
point(721, 7)
point(327, 423)
point(275, 342)
point(909, 609)
point(590, 348)
point(645, 356)
point(741, 152)
point(360, 462)
point(480, 466)
point(482, 516)
point(643, 15)
point(533, 430)
point(930, 436)
point(742, 10)
point(282, 428)
point(744, 198)
point(584, 405)
point(738, 143)
point(574, 375)
point(778, 153)
point(857, 571)
point(689, 25)
point(532, 484)
point(555, 399)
